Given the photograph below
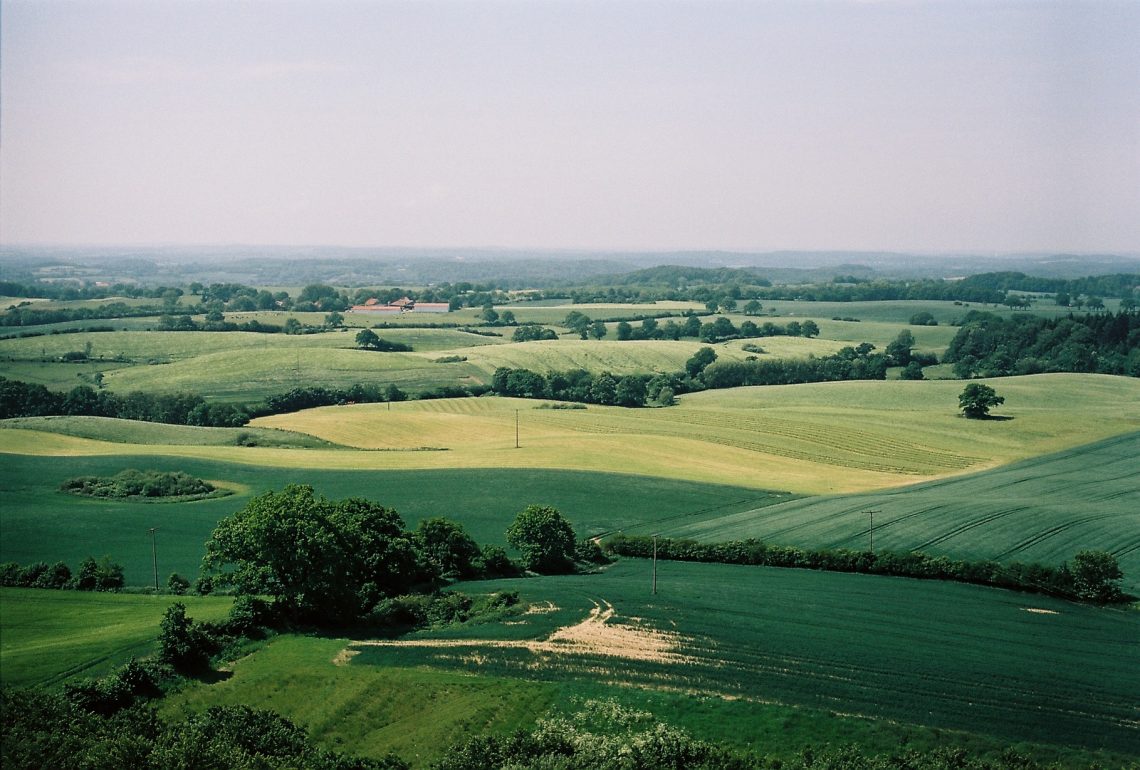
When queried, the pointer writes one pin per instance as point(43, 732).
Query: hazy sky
point(991, 126)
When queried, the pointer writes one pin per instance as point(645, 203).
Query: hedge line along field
point(47, 637)
point(41, 523)
point(751, 641)
point(1044, 509)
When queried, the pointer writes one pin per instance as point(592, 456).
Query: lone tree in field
point(975, 401)
point(545, 539)
point(366, 338)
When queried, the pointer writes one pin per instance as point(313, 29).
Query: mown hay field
point(243, 366)
point(811, 439)
point(807, 439)
point(118, 431)
point(49, 636)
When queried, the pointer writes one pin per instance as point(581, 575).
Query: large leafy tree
point(975, 401)
point(322, 560)
point(545, 539)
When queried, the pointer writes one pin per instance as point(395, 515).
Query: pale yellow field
point(811, 439)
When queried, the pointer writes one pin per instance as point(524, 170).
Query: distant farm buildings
point(402, 305)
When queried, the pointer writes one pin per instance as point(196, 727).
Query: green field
point(750, 641)
point(1043, 510)
point(42, 523)
point(49, 636)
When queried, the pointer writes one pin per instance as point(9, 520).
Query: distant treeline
point(718, 330)
point(702, 372)
point(29, 316)
point(1092, 575)
point(713, 284)
point(23, 399)
point(991, 346)
point(70, 292)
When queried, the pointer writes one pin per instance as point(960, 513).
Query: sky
point(748, 126)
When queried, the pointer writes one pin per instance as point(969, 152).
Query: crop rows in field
point(1021, 667)
point(1045, 509)
point(49, 636)
point(800, 439)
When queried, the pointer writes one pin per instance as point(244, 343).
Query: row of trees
point(23, 399)
point(718, 330)
point(332, 562)
point(726, 286)
point(1091, 576)
point(702, 371)
point(991, 346)
point(92, 575)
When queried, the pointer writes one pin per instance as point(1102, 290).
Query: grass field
point(47, 637)
point(41, 523)
point(812, 439)
point(134, 432)
point(1044, 510)
point(780, 658)
point(941, 655)
point(808, 439)
point(820, 438)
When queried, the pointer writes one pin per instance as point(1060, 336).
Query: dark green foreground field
point(761, 659)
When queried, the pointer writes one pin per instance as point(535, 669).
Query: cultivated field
point(820, 438)
point(50, 636)
point(1043, 510)
point(41, 523)
point(945, 656)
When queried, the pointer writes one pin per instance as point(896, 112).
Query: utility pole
point(655, 565)
point(516, 429)
point(871, 531)
point(154, 557)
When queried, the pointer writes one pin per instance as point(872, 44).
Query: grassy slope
point(41, 523)
point(135, 432)
point(902, 652)
point(370, 710)
point(1044, 509)
point(827, 437)
point(49, 636)
point(822, 438)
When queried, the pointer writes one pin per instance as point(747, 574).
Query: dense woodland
point(988, 345)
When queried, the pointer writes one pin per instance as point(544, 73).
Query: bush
point(182, 644)
point(102, 575)
point(177, 584)
point(136, 483)
point(545, 539)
